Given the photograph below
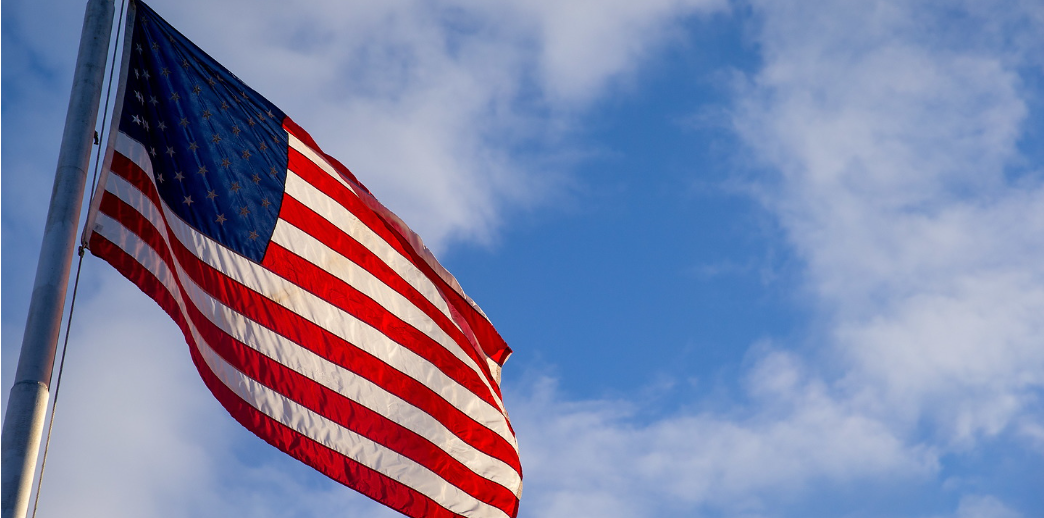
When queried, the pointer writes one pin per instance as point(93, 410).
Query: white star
point(187, 200)
point(136, 120)
point(170, 151)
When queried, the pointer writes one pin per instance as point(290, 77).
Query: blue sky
point(755, 259)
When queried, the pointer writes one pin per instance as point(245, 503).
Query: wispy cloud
point(596, 458)
point(893, 148)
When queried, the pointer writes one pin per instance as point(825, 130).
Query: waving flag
point(313, 314)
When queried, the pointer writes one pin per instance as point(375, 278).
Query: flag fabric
point(316, 317)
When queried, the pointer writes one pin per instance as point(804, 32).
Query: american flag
point(315, 316)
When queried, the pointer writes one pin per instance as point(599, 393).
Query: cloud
point(597, 458)
point(894, 149)
point(978, 506)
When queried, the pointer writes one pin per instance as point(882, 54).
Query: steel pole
point(27, 404)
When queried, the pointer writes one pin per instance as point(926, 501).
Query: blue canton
point(218, 149)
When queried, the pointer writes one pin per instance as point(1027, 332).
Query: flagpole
point(27, 404)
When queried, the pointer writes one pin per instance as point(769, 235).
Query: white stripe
point(130, 195)
point(383, 250)
point(324, 258)
point(315, 157)
point(291, 414)
point(348, 384)
point(302, 302)
point(318, 160)
point(332, 211)
point(402, 265)
point(134, 151)
point(346, 442)
point(130, 243)
point(325, 315)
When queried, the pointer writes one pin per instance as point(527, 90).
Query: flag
point(313, 314)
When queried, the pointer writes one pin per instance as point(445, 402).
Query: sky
point(756, 258)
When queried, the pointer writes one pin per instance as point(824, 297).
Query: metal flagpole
point(27, 404)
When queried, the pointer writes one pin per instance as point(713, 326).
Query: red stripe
point(489, 339)
point(128, 170)
point(307, 220)
point(371, 483)
point(345, 296)
point(319, 178)
point(312, 174)
point(144, 279)
point(282, 320)
point(350, 414)
point(321, 342)
point(129, 217)
point(302, 135)
point(304, 218)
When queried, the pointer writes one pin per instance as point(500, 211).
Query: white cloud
point(597, 459)
point(893, 146)
point(584, 43)
point(979, 506)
